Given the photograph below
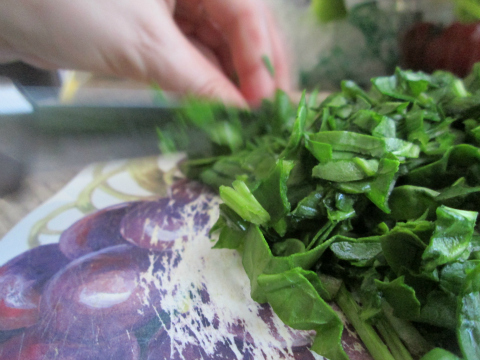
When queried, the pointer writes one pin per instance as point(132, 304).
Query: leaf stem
point(399, 351)
point(322, 234)
point(411, 337)
point(378, 350)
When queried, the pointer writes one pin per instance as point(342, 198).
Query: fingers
point(205, 35)
point(170, 5)
point(281, 60)
point(245, 27)
point(144, 43)
point(242, 33)
point(179, 66)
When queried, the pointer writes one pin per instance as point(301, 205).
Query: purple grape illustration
point(21, 283)
point(31, 346)
point(94, 232)
point(99, 295)
point(185, 191)
point(167, 222)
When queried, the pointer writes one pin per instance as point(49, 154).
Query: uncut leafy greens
point(368, 199)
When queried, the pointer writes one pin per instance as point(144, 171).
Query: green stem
point(378, 350)
point(241, 200)
point(399, 351)
point(411, 337)
point(322, 234)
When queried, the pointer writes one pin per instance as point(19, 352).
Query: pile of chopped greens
point(368, 200)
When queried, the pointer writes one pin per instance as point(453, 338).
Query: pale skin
point(208, 48)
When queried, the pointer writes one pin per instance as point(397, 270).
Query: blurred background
point(86, 118)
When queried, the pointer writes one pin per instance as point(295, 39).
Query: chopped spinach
point(369, 199)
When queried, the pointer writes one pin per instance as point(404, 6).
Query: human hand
point(187, 46)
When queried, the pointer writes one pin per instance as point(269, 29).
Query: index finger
point(245, 26)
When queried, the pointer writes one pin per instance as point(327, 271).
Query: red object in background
point(428, 47)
